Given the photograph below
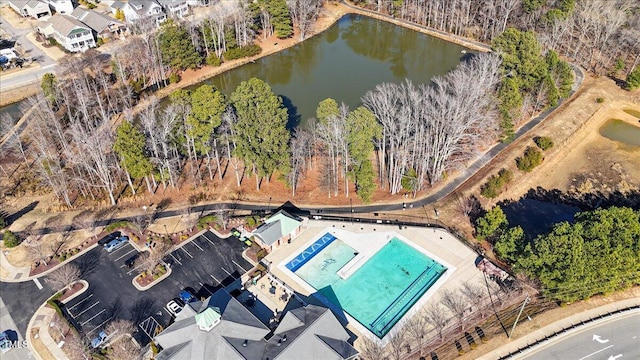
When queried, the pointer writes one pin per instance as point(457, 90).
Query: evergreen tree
point(176, 47)
point(130, 147)
point(362, 129)
point(261, 135)
point(327, 107)
point(49, 86)
point(633, 79)
point(491, 224)
point(282, 24)
point(207, 106)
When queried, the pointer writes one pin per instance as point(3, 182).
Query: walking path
point(560, 328)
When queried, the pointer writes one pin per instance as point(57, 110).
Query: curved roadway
point(617, 337)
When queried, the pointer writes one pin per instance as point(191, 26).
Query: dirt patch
point(14, 19)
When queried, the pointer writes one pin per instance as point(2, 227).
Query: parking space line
point(206, 238)
point(183, 249)
point(85, 310)
point(120, 248)
point(94, 329)
point(174, 258)
point(228, 273)
point(214, 278)
point(132, 250)
point(238, 265)
point(204, 287)
point(80, 302)
point(93, 317)
point(134, 269)
point(198, 246)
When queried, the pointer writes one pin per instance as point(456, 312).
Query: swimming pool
point(382, 290)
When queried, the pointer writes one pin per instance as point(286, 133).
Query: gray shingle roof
point(65, 24)
point(96, 21)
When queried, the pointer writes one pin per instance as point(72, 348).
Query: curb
point(153, 283)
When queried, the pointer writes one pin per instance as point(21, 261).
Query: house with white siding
point(69, 32)
point(36, 9)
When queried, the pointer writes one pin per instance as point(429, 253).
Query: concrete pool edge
point(375, 241)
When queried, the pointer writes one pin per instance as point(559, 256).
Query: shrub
point(52, 41)
point(174, 78)
point(241, 52)
point(633, 79)
point(213, 60)
point(204, 221)
point(544, 142)
point(493, 187)
point(531, 158)
point(599, 100)
point(11, 239)
point(251, 221)
point(3, 222)
point(117, 225)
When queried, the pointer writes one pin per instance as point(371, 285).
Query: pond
point(621, 131)
point(344, 62)
point(14, 111)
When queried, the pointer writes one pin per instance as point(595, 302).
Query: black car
point(132, 260)
point(108, 238)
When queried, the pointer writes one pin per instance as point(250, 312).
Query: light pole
point(165, 230)
point(269, 206)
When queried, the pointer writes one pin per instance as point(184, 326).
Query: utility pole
point(524, 303)
point(493, 305)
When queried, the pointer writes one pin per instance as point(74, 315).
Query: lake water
point(344, 62)
point(621, 131)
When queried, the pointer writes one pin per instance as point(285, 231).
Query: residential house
point(34, 8)
point(103, 26)
point(175, 8)
point(222, 328)
point(61, 6)
point(70, 33)
point(281, 227)
point(140, 9)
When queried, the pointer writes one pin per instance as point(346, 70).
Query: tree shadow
point(115, 309)
point(88, 263)
point(294, 118)
point(141, 309)
point(18, 214)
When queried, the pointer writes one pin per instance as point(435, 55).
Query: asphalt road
point(26, 76)
point(615, 338)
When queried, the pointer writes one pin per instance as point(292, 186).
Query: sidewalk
point(558, 326)
point(11, 273)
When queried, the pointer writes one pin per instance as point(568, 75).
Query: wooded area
point(596, 254)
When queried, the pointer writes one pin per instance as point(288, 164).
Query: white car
point(174, 307)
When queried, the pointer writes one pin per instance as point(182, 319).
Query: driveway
point(28, 75)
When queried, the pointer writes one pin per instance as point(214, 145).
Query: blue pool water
point(310, 252)
point(380, 292)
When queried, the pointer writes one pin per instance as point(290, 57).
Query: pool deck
point(437, 244)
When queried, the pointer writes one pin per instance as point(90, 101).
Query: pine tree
point(176, 47)
point(207, 105)
point(130, 147)
point(261, 135)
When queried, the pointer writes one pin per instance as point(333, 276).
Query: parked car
point(131, 260)
point(109, 238)
point(235, 232)
point(247, 242)
point(5, 343)
point(187, 296)
point(116, 244)
point(99, 340)
point(174, 307)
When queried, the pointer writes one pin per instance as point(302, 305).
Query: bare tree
point(437, 316)
point(153, 257)
point(304, 13)
point(76, 346)
point(476, 295)
point(86, 220)
point(64, 276)
point(397, 343)
point(125, 349)
point(418, 327)
point(457, 304)
point(371, 350)
point(120, 327)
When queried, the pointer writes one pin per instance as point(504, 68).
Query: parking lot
point(202, 265)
